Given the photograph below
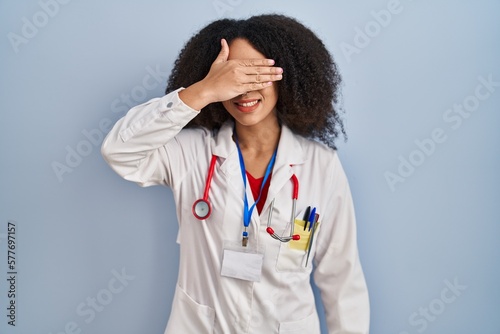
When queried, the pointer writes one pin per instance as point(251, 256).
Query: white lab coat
point(148, 147)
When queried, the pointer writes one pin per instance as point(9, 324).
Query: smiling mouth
point(247, 105)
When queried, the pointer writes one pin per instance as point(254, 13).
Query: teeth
point(249, 104)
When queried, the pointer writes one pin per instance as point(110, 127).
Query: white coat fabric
point(149, 146)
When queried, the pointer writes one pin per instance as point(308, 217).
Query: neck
point(258, 139)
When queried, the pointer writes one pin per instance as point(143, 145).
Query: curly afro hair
point(307, 94)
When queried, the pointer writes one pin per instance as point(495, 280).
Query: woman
point(235, 130)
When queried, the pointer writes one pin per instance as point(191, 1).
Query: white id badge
point(242, 262)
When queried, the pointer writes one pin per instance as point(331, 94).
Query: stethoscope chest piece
point(202, 209)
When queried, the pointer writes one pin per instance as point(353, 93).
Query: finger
point(256, 62)
point(262, 70)
point(224, 52)
point(265, 78)
point(257, 86)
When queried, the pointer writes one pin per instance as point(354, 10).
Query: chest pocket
point(297, 255)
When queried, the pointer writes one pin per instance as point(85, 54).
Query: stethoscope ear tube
point(282, 239)
point(270, 230)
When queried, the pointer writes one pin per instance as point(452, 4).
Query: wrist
point(196, 96)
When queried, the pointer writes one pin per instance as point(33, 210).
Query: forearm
point(338, 272)
point(345, 299)
point(134, 144)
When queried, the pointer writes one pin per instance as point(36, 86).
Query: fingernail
point(270, 62)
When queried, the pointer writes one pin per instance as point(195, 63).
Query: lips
point(247, 105)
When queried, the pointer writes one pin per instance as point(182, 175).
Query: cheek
point(270, 94)
point(227, 105)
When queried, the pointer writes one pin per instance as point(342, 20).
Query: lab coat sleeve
point(338, 273)
point(142, 146)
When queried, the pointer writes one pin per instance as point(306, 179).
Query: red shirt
point(255, 185)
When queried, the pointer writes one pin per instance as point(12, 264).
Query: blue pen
point(311, 218)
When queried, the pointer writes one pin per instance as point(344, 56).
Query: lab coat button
point(170, 104)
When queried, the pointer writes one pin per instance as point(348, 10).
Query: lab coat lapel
point(290, 153)
point(224, 147)
point(222, 143)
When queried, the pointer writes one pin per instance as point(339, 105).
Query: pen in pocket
point(314, 224)
point(311, 218)
point(306, 217)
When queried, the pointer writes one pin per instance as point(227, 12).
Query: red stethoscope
point(202, 207)
point(270, 230)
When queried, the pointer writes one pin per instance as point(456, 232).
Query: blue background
point(83, 62)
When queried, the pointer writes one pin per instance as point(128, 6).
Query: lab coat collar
point(289, 148)
point(290, 153)
point(223, 144)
